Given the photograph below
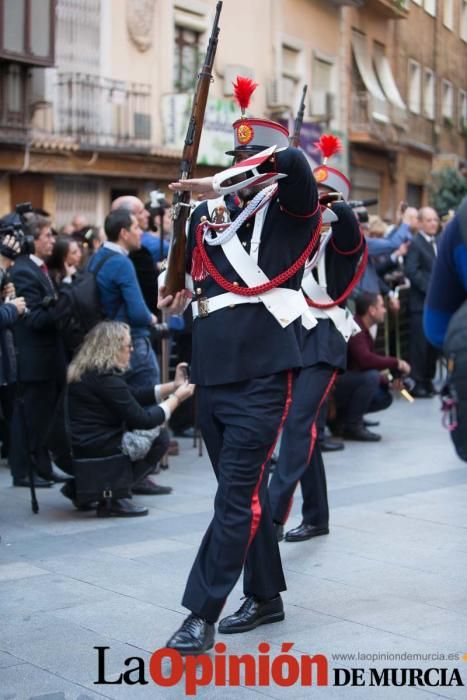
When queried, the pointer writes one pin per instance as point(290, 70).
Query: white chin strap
point(245, 174)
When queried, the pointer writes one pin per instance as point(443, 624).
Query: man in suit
point(40, 359)
point(246, 343)
point(418, 267)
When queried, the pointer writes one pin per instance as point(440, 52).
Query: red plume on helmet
point(329, 145)
point(243, 90)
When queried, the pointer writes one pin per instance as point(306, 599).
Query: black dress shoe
point(361, 434)
point(279, 531)
point(370, 423)
point(328, 445)
point(185, 433)
point(419, 392)
point(146, 487)
point(253, 612)
point(68, 490)
point(195, 636)
point(53, 476)
point(305, 532)
point(120, 508)
point(39, 483)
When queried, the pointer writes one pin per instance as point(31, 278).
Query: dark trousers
point(240, 424)
point(358, 393)
point(300, 457)
point(7, 402)
point(32, 418)
point(423, 355)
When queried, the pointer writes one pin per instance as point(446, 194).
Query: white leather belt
point(341, 318)
point(204, 306)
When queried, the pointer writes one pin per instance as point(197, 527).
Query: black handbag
point(96, 478)
point(102, 478)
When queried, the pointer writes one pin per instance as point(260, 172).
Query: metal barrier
point(393, 335)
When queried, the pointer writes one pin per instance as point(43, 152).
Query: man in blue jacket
point(121, 295)
point(448, 286)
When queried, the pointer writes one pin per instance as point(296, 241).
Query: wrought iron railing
point(98, 111)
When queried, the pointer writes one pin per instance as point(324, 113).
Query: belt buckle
point(203, 307)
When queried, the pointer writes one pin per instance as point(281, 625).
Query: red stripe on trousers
point(255, 502)
point(314, 434)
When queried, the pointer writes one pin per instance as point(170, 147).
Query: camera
point(16, 226)
point(407, 382)
point(156, 207)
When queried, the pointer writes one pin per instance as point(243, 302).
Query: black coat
point(8, 316)
point(418, 265)
point(102, 407)
point(246, 341)
point(39, 347)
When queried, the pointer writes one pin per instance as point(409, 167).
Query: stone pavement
point(389, 579)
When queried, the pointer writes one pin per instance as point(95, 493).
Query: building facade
point(95, 94)
point(407, 72)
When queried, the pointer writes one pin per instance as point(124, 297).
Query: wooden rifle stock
point(175, 276)
point(295, 138)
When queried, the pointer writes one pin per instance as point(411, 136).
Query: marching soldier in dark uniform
point(247, 307)
point(328, 280)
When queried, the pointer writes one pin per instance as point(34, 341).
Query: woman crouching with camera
point(108, 418)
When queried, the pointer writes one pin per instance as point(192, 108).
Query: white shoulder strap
point(285, 305)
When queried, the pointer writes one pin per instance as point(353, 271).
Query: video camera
point(361, 206)
point(16, 226)
point(156, 206)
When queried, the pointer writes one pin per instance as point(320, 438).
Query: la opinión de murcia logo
point(167, 668)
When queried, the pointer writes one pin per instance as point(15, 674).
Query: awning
point(386, 78)
point(380, 106)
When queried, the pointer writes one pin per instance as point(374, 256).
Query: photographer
point(363, 389)
point(40, 356)
point(11, 308)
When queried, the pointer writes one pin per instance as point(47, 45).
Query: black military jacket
point(324, 343)
point(235, 344)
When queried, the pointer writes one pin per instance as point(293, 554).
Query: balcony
point(389, 9)
point(94, 112)
point(375, 123)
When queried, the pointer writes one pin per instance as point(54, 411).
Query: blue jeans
point(144, 368)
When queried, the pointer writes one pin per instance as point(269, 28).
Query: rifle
point(295, 138)
point(175, 276)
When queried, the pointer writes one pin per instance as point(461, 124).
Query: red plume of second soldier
point(243, 90)
point(328, 144)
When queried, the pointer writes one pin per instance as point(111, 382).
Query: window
point(447, 102)
point(290, 75)
point(464, 21)
point(448, 14)
point(429, 86)
point(463, 111)
point(27, 29)
point(321, 87)
point(14, 89)
point(190, 25)
point(430, 7)
point(414, 86)
point(186, 59)
point(418, 2)
point(13, 26)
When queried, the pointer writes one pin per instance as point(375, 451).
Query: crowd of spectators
point(401, 259)
point(107, 387)
point(119, 390)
